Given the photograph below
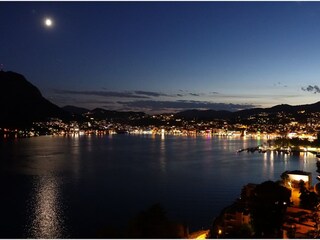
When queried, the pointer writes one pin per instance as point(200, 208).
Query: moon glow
point(48, 22)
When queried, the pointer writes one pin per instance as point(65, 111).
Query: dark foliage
point(268, 208)
point(153, 223)
point(308, 200)
point(148, 224)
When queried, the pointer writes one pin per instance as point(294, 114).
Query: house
point(294, 178)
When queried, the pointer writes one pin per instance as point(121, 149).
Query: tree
point(302, 187)
point(153, 223)
point(269, 205)
point(308, 200)
point(150, 223)
point(285, 178)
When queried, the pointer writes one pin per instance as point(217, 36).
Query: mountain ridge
point(21, 103)
point(221, 114)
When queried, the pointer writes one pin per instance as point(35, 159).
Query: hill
point(203, 114)
point(102, 114)
point(75, 110)
point(21, 103)
point(300, 112)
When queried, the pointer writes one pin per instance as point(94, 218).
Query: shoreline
point(280, 150)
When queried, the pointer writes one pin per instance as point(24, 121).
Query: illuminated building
point(296, 176)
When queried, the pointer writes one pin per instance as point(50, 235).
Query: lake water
point(58, 187)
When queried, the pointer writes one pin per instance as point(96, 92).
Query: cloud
point(187, 93)
point(148, 101)
point(123, 94)
point(194, 94)
point(92, 101)
point(182, 105)
point(151, 94)
point(315, 89)
point(280, 84)
point(103, 94)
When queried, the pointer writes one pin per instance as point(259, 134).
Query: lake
point(72, 186)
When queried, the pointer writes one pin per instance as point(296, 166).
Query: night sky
point(165, 56)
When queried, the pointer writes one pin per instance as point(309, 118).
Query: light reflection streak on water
point(46, 218)
point(269, 173)
point(225, 144)
point(258, 141)
point(302, 160)
point(89, 143)
point(162, 136)
point(162, 156)
point(265, 164)
point(285, 158)
point(304, 166)
point(75, 150)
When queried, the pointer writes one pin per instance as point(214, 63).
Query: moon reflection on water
point(46, 210)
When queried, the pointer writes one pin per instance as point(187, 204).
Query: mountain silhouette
point(21, 103)
point(204, 114)
point(102, 114)
point(300, 112)
point(75, 110)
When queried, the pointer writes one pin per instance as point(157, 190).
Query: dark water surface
point(58, 187)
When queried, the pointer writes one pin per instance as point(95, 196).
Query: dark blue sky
point(165, 56)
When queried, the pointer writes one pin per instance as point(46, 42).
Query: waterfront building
point(294, 178)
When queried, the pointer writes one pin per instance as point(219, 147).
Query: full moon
point(48, 22)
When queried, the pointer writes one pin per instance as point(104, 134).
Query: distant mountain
point(226, 115)
point(21, 103)
point(315, 107)
point(275, 109)
point(102, 114)
point(285, 108)
point(75, 110)
point(203, 114)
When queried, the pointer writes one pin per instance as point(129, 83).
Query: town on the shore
point(266, 125)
